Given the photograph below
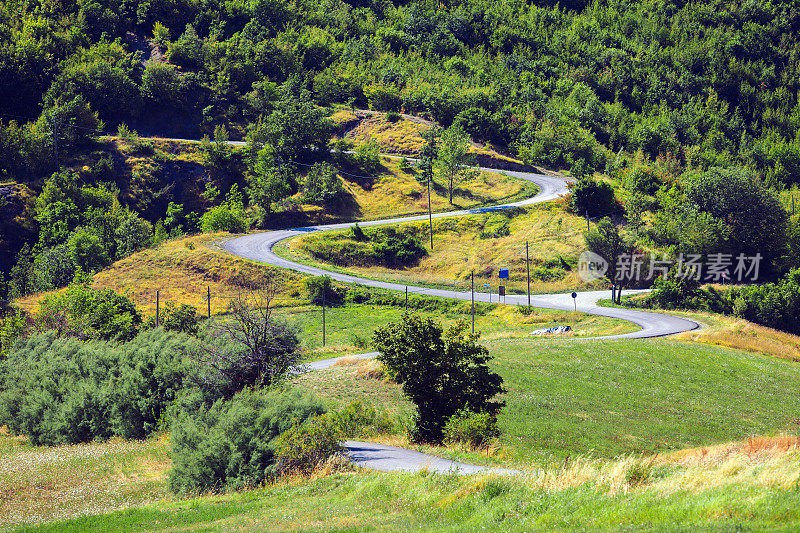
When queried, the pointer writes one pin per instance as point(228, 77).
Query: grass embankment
point(396, 193)
point(478, 243)
point(741, 485)
point(608, 398)
point(733, 332)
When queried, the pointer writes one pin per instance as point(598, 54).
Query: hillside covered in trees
point(712, 83)
point(645, 92)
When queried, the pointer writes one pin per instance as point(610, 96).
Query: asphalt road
point(392, 459)
point(258, 247)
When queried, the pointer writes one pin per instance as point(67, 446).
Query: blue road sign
point(502, 273)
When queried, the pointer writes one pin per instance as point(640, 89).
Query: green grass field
point(610, 398)
point(583, 420)
point(753, 494)
point(349, 327)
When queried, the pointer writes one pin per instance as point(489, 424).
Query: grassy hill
point(611, 398)
point(480, 243)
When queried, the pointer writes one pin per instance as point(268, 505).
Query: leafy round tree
point(442, 372)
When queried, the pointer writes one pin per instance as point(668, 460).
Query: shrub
point(232, 444)
point(494, 228)
point(12, 326)
point(224, 218)
point(367, 156)
point(322, 185)
point(357, 233)
point(475, 429)
point(184, 318)
point(319, 286)
point(641, 179)
point(83, 312)
point(305, 446)
point(406, 166)
point(394, 249)
point(588, 195)
point(392, 116)
point(362, 420)
point(674, 292)
point(62, 391)
point(161, 83)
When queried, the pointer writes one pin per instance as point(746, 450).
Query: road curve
point(258, 247)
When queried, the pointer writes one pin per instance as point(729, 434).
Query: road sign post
point(575, 300)
point(472, 292)
point(528, 269)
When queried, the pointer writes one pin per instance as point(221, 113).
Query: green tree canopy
point(441, 372)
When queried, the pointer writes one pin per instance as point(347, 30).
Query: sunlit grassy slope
point(396, 193)
point(733, 332)
point(467, 244)
point(401, 136)
point(608, 398)
point(740, 486)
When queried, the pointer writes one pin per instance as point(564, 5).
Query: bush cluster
point(64, 391)
point(87, 313)
point(380, 246)
point(475, 429)
point(231, 444)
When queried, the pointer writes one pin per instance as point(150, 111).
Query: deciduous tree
point(440, 371)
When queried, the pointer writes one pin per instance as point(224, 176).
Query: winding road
point(258, 247)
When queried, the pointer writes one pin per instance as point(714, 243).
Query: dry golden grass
point(459, 250)
point(364, 368)
point(738, 333)
point(398, 193)
point(182, 270)
point(343, 118)
point(401, 137)
point(772, 462)
point(55, 483)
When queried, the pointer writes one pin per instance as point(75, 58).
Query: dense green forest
point(709, 82)
point(644, 92)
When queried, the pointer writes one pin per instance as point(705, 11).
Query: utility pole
point(55, 141)
point(430, 213)
point(472, 291)
point(528, 268)
point(208, 287)
point(406, 297)
point(323, 315)
point(157, 308)
point(428, 154)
